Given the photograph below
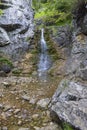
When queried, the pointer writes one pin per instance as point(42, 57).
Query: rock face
point(16, 25)
point(70, 104)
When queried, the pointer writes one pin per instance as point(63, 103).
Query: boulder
point(69, 104)
point(16, 25)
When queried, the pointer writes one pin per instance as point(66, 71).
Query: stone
point(25, 97)
point(69, 103)
point(16, 111)
point(19, 122)
point(35, 116)
point(43, 102)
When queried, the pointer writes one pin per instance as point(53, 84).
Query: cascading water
point(44, 60)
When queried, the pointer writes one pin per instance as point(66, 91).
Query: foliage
point(53, 12)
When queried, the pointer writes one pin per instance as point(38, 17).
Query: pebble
point(43, 102)
point(25, 97)
point(19, 122)
point(35, 116)
point(32, 101)
point(16, 111)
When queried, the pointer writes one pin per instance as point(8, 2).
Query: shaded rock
point(6, 68)
point(4, 38)
point(84, 25)
point(63, 36)
point(69, 103)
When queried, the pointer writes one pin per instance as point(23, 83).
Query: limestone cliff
point(16, 26)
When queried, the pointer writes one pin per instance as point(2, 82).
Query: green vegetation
point(5, 61)
point(57, 12)
point(1, 12)
point(66, 126)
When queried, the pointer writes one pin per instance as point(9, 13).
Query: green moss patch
point(5, 61)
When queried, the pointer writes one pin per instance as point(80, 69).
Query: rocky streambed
point(24, 104)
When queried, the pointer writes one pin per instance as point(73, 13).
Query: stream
point(45, 61)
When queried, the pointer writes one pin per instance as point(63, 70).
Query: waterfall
point(44, 58)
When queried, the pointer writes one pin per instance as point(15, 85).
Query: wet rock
point(43, 102)
point(69, 103)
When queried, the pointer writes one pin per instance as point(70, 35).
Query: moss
point(67, 126)
point(5, 61)
point(1, 11)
